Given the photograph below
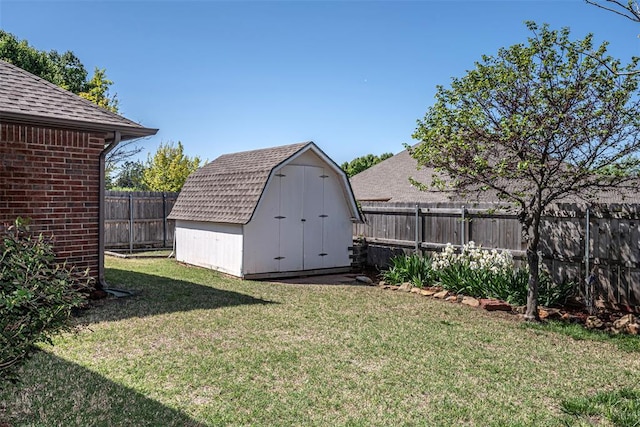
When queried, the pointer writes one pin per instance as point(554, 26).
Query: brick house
point(53, 146)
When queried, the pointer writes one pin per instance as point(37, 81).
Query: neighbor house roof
point(29, 99)
point(389, 181)
point(229, 188)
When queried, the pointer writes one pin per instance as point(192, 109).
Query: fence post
point(164, 219)
point(589, 278)
point(130, 223)
point(462, 226)
point(417, 228)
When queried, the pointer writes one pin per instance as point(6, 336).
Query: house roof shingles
point(388, 181)
point(28, 98)
point(228, 189)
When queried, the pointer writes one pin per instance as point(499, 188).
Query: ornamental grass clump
point(414, 269)
point(37, 296)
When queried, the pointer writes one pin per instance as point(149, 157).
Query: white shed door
point(313, 210)
point(291, 227)
point(301, 218)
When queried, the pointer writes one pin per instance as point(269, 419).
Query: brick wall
point(53, 177)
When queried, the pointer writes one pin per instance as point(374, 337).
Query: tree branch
point(635, 14)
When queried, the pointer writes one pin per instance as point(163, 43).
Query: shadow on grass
point(158, 295)
point(56, 392)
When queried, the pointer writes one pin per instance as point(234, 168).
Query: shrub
point(410, 268)
point(552, 294)
point(37, 295)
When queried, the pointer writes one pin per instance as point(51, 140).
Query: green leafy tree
point(67, 71)
point(42, 64)
point(362, 163)
point(169, 167)
point(535, 124)
point(130, 177)
point(64, 70)
point(97, 91)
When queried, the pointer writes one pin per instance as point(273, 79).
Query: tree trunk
point(533, 261)
point(531, 315)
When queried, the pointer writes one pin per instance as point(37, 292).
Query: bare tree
point(629, 9)
point(123, 151)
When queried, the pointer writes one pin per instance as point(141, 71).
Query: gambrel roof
point(229, 188)
point(29, 99)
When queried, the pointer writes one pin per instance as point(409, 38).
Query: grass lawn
point(194, 348)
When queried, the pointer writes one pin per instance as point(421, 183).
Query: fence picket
point(613, 241)
point(136, 220)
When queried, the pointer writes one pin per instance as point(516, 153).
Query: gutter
point(128, 131)
point(117, 137)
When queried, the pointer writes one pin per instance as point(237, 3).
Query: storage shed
point(275, 212)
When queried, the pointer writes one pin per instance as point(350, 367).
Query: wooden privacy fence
point(136, 220)
point(599, 244)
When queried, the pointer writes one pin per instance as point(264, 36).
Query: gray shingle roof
point(388, 181)
point(28, 98)
point(228, 189)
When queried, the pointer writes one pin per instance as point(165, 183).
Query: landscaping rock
point(364, 279)
point(495, 305)
point(549, 314)
point(428, 292)
point(633, 329)
point(452, 298)
point(441, 294)
point(382, 283)
point(415, 290)
point(622, 323)
point(470, 301)
point(593, 322)
point(405, 287)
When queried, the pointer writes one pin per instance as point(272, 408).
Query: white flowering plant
point(476, 272)
point(475, 257)
point(479, 272)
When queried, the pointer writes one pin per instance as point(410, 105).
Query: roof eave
point(127, 132)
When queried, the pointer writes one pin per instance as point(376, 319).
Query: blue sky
point(353, 76)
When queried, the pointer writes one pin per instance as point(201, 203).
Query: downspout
point(116, 140)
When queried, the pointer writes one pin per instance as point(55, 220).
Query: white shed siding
point(338, 229)
point(212, 245)
point(261, 234)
